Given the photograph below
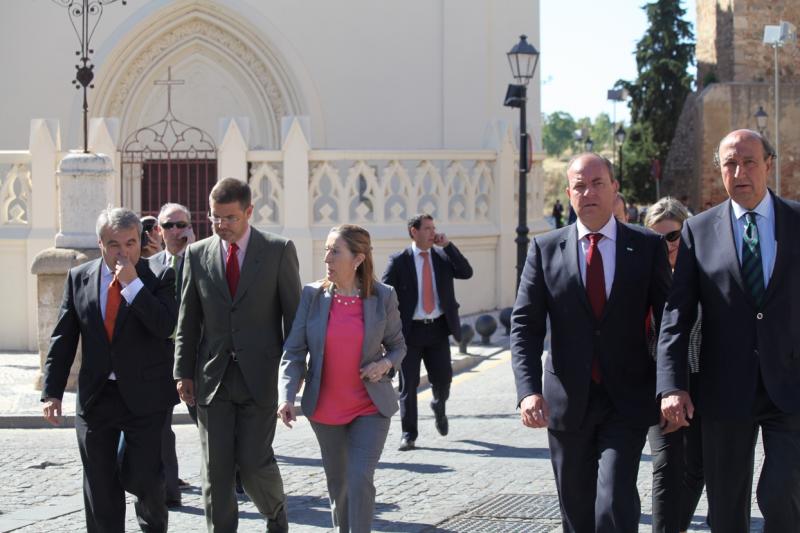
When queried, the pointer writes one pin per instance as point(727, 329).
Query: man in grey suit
point(175, 228)
point(739, 261)
point(241, 288)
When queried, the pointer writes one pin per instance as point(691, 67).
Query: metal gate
point(169, 161)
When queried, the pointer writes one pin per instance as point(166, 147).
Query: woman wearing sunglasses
point(677, 455)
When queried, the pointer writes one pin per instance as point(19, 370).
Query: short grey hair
point(117, 218)
point(769, 151)
point(609, 165)
point(667, 208)
point(173, 206)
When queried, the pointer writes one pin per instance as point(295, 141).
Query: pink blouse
point(342, 394)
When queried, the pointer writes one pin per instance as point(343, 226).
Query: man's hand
point(286, 413)
point(440, 239)
point(125, 270)
point(677, 408)
point(52, 411)
point(534, 411)
point(185, 388)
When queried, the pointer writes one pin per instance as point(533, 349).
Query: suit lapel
point(783, 233)
point(728, 254)
point(214, 267)
point(252, 262)
point(412, 270)
point(369, 308)
point(91, 281)
point(570, 256)
point(623, 261)
point(324, 306)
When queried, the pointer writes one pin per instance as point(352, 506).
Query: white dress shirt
point(608, 250)
point(129, 292)
point(419, 312)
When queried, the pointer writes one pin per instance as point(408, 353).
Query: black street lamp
point(84, 16)
point(523, 59)
point(761, 119)
point(619, 135)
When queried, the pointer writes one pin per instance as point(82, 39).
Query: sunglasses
point(170, 225)
point(673, 236)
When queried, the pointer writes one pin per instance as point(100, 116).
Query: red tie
point(232, 268)
point(595, 289)
point(113, 301)
point(428, 303)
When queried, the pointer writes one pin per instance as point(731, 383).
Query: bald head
point(745, 161)
point(592, 189)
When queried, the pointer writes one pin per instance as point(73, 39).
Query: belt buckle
point(428, 320)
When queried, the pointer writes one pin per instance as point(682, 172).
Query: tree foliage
point(658, 93)
point(557, 133)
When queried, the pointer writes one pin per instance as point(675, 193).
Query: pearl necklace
point(346, 300)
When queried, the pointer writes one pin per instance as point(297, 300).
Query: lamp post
point(523, 59)
point(761, 119)
point(776, 37)
point(619, 135)
point(84, 16)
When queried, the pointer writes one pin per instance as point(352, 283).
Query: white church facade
point(334, 111)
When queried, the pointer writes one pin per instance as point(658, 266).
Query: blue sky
point(586, 46)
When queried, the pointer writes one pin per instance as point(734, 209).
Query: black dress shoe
point(406, 444)
point(279, 524)
point(442, 426)
point(174, 503)
point(239, 487)
point(183, 484)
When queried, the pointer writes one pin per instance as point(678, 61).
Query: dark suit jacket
point(212, 326)
point(551, 287)
point(304, 352)
point(739, 339)
point(140, 353)
point(448, 264)
point(157, 263)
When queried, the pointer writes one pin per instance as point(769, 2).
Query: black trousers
point(728, 457)
point(107, 476)
point(677, 474)
point(428, 343)
point(596, 468)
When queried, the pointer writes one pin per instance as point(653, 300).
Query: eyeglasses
point(230, 219)
point(673, 236)
point(170, 225)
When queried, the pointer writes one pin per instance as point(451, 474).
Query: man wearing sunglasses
point(175, 228)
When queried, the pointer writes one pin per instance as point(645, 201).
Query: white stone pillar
point(232, 151)
point(104, 139)
point(505, 169)
point(44, 145)
point(296, 198)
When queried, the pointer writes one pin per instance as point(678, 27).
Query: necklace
point(346, 299)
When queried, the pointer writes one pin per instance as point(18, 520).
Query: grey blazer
point(382, 333)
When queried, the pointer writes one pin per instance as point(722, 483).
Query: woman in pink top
point(346, 343)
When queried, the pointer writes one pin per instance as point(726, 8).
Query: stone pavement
point(439, 487)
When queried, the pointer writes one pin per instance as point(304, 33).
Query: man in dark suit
point(241, 288)
point(124, 315)
point(422, 275)
point(739, 261)
point(175, 228)
point(596, 280)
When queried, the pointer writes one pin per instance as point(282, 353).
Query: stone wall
point(729, 37)
point(682, 166)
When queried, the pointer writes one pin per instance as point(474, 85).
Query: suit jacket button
point(760, 316)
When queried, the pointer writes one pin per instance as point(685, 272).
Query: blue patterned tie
point(752, 269)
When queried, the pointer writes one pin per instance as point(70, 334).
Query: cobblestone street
point(487, 453)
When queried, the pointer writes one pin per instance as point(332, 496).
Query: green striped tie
point(752, 269)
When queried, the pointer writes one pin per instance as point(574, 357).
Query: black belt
point(427, 321)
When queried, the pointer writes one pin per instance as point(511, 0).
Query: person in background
point(558, 213)
point(620, 210)
point(175, 229)
point(677, 454)
point(152, 243)
point(346, 343)
point(423, 275)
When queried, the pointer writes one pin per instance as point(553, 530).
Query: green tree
point(663, 57)
point(557, 133)
point(602, 131)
